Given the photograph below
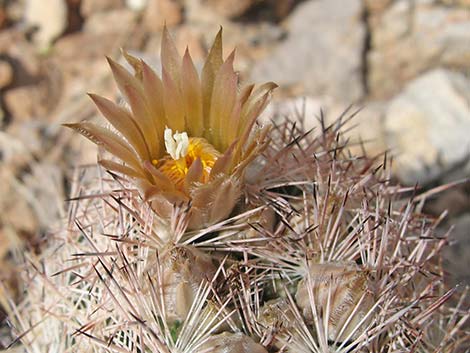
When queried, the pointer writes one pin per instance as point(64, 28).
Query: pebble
point(6, 74)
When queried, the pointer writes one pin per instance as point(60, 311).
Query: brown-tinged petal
point(232, 133)
point(223, 99)
point(170, 57)
point(253, 104)
point(134, 62)
point(173, 108)
point(224, 198)
point(123, 77)
point(245, 93)
point(123, 121)
point(214, 200)
point(253, 150)
point(143, 117)
point(159, 178)
point(155, 191)
point(194, 173)
point(153, 88)
point(211, 67)
point(249, 120)
point(192, 96)
point(223, 164)
point(120, 168)
point(110, 141)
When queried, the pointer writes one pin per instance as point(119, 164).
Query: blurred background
point(406, 62)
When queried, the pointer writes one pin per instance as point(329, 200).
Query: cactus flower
point(187, 137)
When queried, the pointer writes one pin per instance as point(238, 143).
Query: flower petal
point(163, 183)
point(124, 123)
point(120, 168)
point(170, 57)
point(254, 105)
point(123, 77)
point(192, 96)
point(144, 118)
point(214, 201)
point(110, 141)
point(235, 119)
point(211, 67)
point(134, 62)
point(173, 109)
point(153, 88)
point(223, 99)
point(223, 164)
point(194, 173)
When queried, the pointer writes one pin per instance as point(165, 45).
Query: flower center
point(182, 152)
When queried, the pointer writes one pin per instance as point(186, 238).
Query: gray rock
point(427, 126)
point(408, 40)
point(323, 50)
point(364, 131)
point(456, 260)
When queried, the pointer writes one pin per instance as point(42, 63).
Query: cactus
point(204, 233)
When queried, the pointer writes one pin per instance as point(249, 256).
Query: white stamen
point(176, 144)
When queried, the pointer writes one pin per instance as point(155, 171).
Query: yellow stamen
point(188, 151)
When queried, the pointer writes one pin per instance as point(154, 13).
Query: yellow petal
point(211, 67)
point(192, 96)
point(223, 99)
point(124, 123)
point(110, 141)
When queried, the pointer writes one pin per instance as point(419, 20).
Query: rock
point(395, 24)
point(365, 128)
point(14, 10)
point(408, 40)
point(456, 260)
point(90, 7)
point(376, 6)
point(21, 56)
point(323, 50)
point(187, 37)
point(22, 102)
point(112, 21)
point(455, 201)
point(427, 126)
point(15, 213)
point(159, 12)
point(461, 3)
point(49, 16)
point(22, 142)
point(3, 17)
point(6, 74)
point(136, 5)
point(230, 8)
point(14, 152)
